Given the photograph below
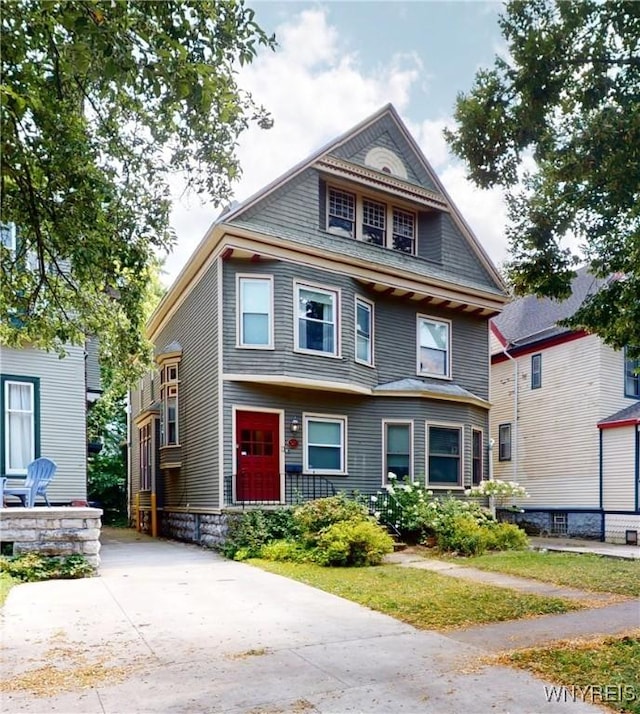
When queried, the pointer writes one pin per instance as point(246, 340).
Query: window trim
point(441, 320)
point(536, 370)
point(397, 422)
point(327, 418)
point(501, 442)
point(270, 315)
point(630, 378)
point(371, 306)
point(358, 216)
point(166, 386)
point(336, 292)
point(427, 453)
point(35, 420)
point(475, 430)
point(150, 425)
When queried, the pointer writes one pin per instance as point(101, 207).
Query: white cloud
point(316, 89)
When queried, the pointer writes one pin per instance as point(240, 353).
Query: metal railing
point(256, 489)
point(385, 508)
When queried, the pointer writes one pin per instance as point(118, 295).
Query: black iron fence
point(267, 489)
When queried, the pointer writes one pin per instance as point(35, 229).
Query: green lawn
point(6, 583)
point(606, 671)
point(423, 599)
point(585, 572)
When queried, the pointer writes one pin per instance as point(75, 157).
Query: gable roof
point(531, 319)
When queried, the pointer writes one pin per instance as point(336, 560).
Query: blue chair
point(39, 474)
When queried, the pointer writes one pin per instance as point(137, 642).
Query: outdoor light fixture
point(294, 426)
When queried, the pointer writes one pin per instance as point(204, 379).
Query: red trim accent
point(255, 258)
point(496, 331)
point(227, 253)
point(539, 345)
point(617, 424)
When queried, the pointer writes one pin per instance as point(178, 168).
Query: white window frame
point(169, 389)
point(397, 422)
point(7, 431)
point(502, 443)
point(10, 229)
point(337, 316)
point(371, 307)
point(427, 453)
point(240, 277)
point(332, 419)
point(440, 321)
point(358, 219)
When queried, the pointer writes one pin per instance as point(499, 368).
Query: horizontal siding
point(558, 443)
point(395, 326)
point(92, 366)
point(619, 469)
point(364, 426)
point(612, 398)
point(62, 414)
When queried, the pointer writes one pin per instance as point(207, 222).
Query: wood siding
point(365, 416)
point(394, 333)
point(619, 469)
point(62, 415)
point(557, 456)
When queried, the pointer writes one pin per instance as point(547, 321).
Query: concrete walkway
point(575, 545)
point(172, 628)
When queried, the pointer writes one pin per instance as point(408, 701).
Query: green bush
point(352, 543)
point(34, 567)
point(407, 507)
point(285, 550)
point(248, 532)
point(507, 536)
point(315, 516)
point(462, 534)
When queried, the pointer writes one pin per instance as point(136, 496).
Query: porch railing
point(264, 490)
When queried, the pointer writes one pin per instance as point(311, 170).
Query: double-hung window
point(169, 395)
point(354, 216)
point(255, 311)
point(364, 331)
point(444, 467)
point(20, 423)
point(325, 444)
point(631, 377)
point(397, 440)
point(317, 320)
point(504, 442)
point(145, 456)
point(434, 347)
point(477, 447)
point(536, 371)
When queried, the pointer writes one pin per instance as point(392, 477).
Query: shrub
point(352, 543)
point(407, 507)
point(248, 532)
point(507, 536)
point(34, 567)
point(315, 516)
point(461, 533)
point(285, 550)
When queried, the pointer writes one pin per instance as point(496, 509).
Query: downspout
point(514, 440)
point(601, 489)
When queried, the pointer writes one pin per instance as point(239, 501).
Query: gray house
point(330, 329)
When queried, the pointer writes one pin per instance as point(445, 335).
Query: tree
point(568, 97)
point(101, 103)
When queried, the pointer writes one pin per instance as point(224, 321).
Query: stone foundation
point(52, 531)
point(578, 524)
point(208, 530)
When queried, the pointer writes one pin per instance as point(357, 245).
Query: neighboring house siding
point(558, 443)
point(92, 366)
point(618, 469)
point(611, 374)
point(365, 416)
point(194, 326)
point(62, 415)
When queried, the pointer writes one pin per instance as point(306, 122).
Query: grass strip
point(421, 598)
point(6, 583)
point(604, 671)
point(582, 571)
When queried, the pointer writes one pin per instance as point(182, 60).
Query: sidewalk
point(575, 545)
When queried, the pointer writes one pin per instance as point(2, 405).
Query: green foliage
point(507, 536)
point(568, 98)
point(314, 516)
point(352, 543)
point(101, 103)
point(248, 532)
point(407, 507)
point(33, 567)
point(285, 551)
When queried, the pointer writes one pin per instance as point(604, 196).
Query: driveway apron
point(170, 627)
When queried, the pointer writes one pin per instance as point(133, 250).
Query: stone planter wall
point(208, 530)
point(52, 531)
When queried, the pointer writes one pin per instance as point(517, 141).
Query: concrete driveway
point(169, 627)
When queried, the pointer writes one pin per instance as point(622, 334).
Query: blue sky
point(337, 63)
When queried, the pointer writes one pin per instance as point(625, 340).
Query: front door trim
point(235, 408)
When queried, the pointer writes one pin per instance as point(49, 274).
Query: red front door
point(258, 454)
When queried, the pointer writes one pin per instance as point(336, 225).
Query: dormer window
point(371, 221)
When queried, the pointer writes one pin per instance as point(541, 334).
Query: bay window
point(316, 320)
point(325, 444)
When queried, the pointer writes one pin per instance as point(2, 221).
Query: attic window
point(353, 216)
